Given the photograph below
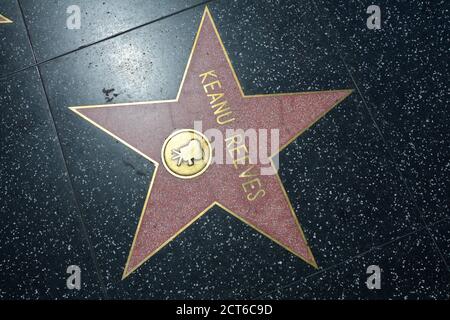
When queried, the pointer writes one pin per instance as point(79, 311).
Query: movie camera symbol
point(189, 153)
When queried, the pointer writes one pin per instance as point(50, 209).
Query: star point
point(4, 20)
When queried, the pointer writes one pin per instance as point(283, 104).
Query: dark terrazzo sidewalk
point(369, 181)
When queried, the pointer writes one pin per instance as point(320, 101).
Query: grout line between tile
point(83, 226)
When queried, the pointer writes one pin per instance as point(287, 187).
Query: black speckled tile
point(402, 71)
point(99, 19)
point(410, 269)
point(276, 47)
point(441, 234)
point(15, 50)
point(40, 234)
point(347, 193)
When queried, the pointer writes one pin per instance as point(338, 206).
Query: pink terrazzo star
point(172, 203)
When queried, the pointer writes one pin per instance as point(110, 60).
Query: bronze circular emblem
point(186, 153)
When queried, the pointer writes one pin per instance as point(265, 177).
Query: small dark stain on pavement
point(109, 94)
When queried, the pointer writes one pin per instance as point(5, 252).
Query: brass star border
point(127, 272)
point(4, 20)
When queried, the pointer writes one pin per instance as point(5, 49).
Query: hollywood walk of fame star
point(210, 92)
point(4, 20)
